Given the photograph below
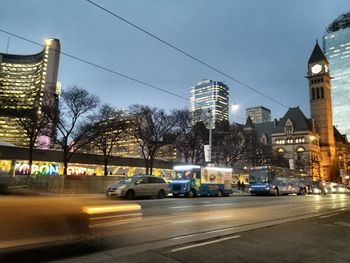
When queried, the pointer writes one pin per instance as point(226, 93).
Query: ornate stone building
point(314, 144)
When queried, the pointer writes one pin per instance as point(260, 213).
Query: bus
point(278, 181)
point(194, 180)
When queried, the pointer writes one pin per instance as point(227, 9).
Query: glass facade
point(209, 95)
point(25, 81)
point(336, 46)
point(258, 114)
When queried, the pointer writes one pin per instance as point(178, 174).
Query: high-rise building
point(336, 46)
point(258, 114)
point(26, 81)
point(209, 97)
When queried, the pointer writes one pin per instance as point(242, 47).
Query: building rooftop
point(317, 55)
point(300, 122)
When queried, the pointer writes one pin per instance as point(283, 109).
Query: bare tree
point(150, 127)
point(110, 127)
point(279, 160)
point(191, 137)
point(34, 122)
point(72, 122)
point(228, 144)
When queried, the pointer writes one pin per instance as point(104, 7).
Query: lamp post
point(210, 133)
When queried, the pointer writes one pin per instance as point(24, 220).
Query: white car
point(139, 186)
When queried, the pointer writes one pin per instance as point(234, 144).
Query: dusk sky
point(264, 43)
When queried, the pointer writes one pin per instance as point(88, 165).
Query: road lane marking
point(181, 221)
point(179, 207)
point(182, 237)
point(326, 216)
point(217, 204)
point(204, 243)
point(215, 217)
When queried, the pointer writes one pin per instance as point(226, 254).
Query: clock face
point(316, 68)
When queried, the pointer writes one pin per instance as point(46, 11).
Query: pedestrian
point(239, 185)
point(242, 186)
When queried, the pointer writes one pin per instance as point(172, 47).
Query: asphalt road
point(47, 228)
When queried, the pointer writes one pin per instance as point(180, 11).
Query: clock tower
point(321, 109)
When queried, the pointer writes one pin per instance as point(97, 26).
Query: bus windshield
point(258, 176)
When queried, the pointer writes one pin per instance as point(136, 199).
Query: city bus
point(277, 181)
point(194, 180)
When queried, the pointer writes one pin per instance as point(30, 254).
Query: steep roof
point(317, 55)
point(339, 137)
point(249, 123)
point(264, 128)
point(300, 122)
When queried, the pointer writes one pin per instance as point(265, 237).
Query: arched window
point(264, 139)
point(280, 151)
point(322, 93)
point(317, 93)
point(313, 94)
point(289, 128)
point(300, 150)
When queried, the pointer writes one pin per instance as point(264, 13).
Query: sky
point(263, 43)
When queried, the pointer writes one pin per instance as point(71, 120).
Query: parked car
point(340, 188)
point(139, 186)
point(315, 188)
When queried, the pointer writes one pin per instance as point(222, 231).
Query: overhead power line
point(186, 53)
point(97, 66)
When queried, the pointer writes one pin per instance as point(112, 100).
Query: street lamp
point(210, 133)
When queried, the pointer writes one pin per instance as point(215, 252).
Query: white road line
point(179, 207)
point(326, 216)
point(182, 237)
point(204, 243)
point(215, 217)
point(218, 204)
point(181, 221)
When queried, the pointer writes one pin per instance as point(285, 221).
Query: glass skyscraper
point(209, 95)
point(26, 81)
point(336, 46)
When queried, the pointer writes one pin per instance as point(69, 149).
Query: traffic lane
point(183, 225)
point(171, 206)
point(47, 219)
point(179, 225)
point(320, 239)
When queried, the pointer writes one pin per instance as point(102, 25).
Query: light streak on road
point(110, 209)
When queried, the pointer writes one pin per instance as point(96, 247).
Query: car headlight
point(317, 191)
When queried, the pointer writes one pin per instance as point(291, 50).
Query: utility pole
point(210, 133)
point(8, 44)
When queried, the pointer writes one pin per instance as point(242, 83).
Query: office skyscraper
point(209, 95)
point(258, 114)
point(26, 82)
point(336, 46)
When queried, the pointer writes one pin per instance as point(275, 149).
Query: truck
point(195, 180)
